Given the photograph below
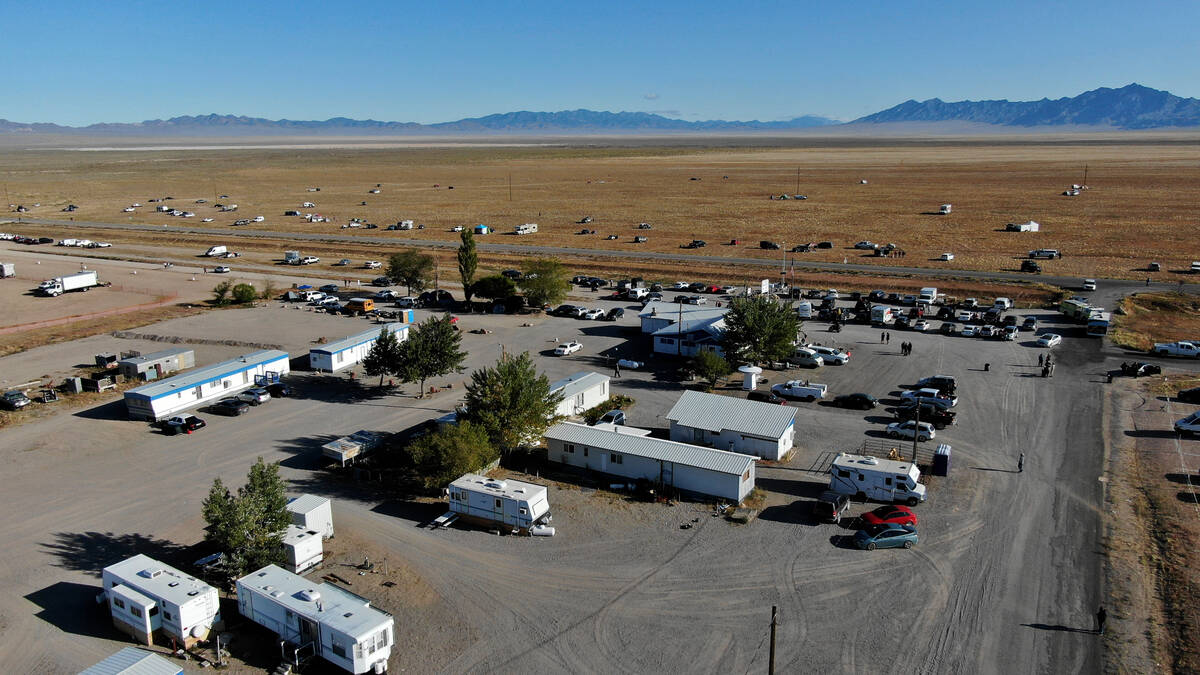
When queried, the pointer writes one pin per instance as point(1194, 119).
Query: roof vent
point(870, 460)
point(173, 584)
point(520, 490)
point(309, 594)
point(348, 614)
point(151, 574)
point(498, 484)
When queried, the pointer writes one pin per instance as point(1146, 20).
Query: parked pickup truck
point(801, 389)
point(1177, 349)
point(939, 418)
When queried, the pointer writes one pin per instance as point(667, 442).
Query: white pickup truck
point(1177, 349)
point(801, 389)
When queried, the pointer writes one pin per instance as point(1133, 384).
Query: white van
point(804, 310)
point(636, 293)
point(1002, 303)
point(882, 480)
point(217, 251)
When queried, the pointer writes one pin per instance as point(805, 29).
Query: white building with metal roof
point(690, 336)
point(321, 619)
point(735, 424)
point(658, 315)
point(134, 661)
point(631, 453)
point(580, 392)
point(167, 397)
point(148, 598)
point(344, 353)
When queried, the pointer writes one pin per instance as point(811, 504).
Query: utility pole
point(771, 663)
point(1085, 168)
point(510, 187)
point(916, 432)
point(797, 182)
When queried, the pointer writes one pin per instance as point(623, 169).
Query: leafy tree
point(384, 357)
point(758, 329)
point(244, 294)
point(433, 349)
point(411, 268)
point(248, 526)
point(221, 293)
point(546, 282)
point(494, 287)
point(269, 290)
point(511, 401)
point(710, 366)
point(449, 452)
point(468, 261)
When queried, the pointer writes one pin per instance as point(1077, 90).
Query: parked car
point(970, 330)
point(567, 348)
point(806, 358)
point(309, 260)
point(1189, 425)
point(858, 401)
point(830, 506)
point(1049, 340)
point(329, 288)
point(921, 325)
point(593, 314)
point(830, 355)
point(909, 428)
point(1031, 266)
point(946, 256)
point(222, 269)
point(230, 407)
point(1089, 284)
point(886, 536)
point(279, 390)
point(255, 396)
point(931, 396)
point(381, 281)
point(1140, 369)
point(14, 400)
point(947, 384)
point(565, 310)
point(1189, 395)
point(892, 514)
point(939, 418)
point(770, 245)
point(614, 314)
point(801, 389)
point(765, 396)
point(616, 417)
point(387, 295)
point(182, 424)
point(866, 246)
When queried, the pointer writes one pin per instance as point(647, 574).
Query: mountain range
point(1130, 107)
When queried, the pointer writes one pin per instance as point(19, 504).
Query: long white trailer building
point(630, 453)
point(346, 352)
point(735, 424)
point(148, 598)
point(167, 397)
point(322, 619)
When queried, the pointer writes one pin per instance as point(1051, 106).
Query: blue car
point(885, 536)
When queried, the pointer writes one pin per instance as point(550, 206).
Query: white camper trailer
point(147, 598)
point(883, 480)
point(527, 228)
point(1031, 226)
point(508, 502)
point(302, 549)
point(804, 310)
point(945, 210)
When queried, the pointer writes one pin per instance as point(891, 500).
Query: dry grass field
point(1157, 317)
point(1140, 207)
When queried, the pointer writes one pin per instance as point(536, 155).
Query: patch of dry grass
point(14, 343)
point(1147, 318)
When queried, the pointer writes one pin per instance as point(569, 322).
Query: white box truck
point(7, 270)
point(217, 251)
point(883, 480)
point(292, 257)
point(882, 315)
point(81, 281)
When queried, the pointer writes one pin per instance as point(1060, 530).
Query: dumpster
point(941, 460)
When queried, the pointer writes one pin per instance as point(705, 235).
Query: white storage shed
point(580, 392)
point(302, 549)
point(148, 598)
point(134, 661)
point(750, 427)
point(346, 352)
point(167, 397)
point(156, 365)
point(630, 453)
point(312, 513)
point(509, 502)
point(335, 624)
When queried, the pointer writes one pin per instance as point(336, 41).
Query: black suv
point(768, 245)
point(940, 419)
point(1030, 266)
point(830, 506)
point(766, 396)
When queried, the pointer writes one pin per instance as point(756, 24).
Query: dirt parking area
point(1005, 578)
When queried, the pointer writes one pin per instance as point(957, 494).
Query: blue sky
point(83, 62)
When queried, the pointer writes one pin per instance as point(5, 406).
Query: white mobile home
point(302, 549)
point(630, 453)
point(883, 480)
point(156, 365)
point(147, 598)
point(312, 513)
point(346, 352)
point(735, 424)
point(581, 391)
point(508, 502)
point(167, 397)
point(322, 619)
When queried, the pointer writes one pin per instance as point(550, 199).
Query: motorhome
point(527, 228)
point(882, 480)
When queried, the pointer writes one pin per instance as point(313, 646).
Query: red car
point(890, 515)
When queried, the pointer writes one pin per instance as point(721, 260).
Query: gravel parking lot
point(1006, 576)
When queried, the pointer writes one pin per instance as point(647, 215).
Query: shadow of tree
point(72, 608)
point(1058, 627)
point(92, 551)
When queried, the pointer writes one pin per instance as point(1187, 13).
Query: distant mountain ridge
point(1130, 107)
point(567, 121)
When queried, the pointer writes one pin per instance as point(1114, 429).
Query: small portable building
point(357, 445)
point(148, 598)
point(482, 229)
point(322, 619)
point(1031, 226)
point(302, 549)
point(750, 427)
point(157, 365)
point(7, 270)
point(631, 453)
point(312, 513)
point(508, 502)
point(167, 397)
point(134, 661)
point(580, 392)
point(344, 353)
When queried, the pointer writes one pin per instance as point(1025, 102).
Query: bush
point(449, 452)
point(620, 401)
point(244, 294)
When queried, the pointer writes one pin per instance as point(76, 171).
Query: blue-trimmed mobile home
point(167, 397)
point(346, 352)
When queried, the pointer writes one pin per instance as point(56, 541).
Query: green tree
point(468, 262)
point(433, 349)
point(710, 366)
point(384, 357)
point(244, 294)
point(411, 268)
point(269, 290)
point(546, 282)
point(494, 287)
point(449, 452)
point(511, 401)
point(758, 329)
point(248, 526)
point(221, 293)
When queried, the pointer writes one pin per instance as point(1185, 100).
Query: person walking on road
point(617, 369)
point(882, 337)
point(1021, 463)
point(1101, 619)
point(1041, 360)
